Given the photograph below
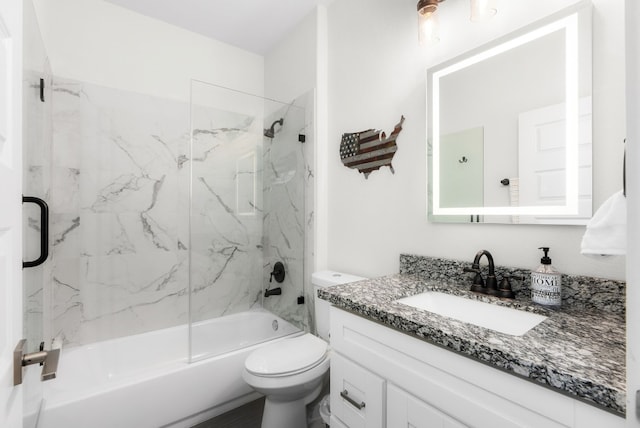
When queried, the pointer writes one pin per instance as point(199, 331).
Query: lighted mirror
point(510, 127)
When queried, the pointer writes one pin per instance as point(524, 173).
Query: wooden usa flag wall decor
point(368, 150)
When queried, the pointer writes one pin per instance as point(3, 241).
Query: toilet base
point(287, 414)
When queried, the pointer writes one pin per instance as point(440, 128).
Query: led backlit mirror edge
point(569, 20)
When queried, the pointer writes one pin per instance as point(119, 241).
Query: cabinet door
point(337, 423)
point(357, 395)
point(404, 410)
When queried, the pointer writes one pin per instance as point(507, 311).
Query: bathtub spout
point(273, 292)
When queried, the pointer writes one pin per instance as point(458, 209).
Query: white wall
point(290, 67)
point(632, 16)
point(97, 42)
point(377, 73)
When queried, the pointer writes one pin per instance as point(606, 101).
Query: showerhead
point(269, 133)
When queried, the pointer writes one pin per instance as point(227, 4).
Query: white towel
point(606, 233)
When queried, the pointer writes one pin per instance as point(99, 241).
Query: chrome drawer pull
point(345, 394)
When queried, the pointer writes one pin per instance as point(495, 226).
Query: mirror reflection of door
point(542, 136)
point(462, 177)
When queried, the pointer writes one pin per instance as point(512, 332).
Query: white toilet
point(290, 372)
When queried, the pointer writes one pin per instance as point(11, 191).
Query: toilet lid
point(288, 356)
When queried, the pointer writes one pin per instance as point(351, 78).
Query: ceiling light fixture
point(428, 25)
point(428, 21)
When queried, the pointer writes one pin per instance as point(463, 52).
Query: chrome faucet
point(491, 286)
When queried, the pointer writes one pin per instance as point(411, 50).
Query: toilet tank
point(323, 279)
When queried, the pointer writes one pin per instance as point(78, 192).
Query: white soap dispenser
point(546, 282)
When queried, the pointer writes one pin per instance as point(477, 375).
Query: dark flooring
point(247, 416)
point(250, 414)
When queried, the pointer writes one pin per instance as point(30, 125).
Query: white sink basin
point(498, 318)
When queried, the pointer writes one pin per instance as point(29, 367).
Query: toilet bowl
point(290, 372)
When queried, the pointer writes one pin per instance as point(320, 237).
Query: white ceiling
point(252, 25)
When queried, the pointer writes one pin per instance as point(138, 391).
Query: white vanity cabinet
point(401, 381)
point(359, 393)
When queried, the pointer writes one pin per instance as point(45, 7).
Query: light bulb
point(482, 10)
point(428, 26)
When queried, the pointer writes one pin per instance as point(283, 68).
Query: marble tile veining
point(155, 224)
point(284, 206)
point(578, 350)
point(116, 212)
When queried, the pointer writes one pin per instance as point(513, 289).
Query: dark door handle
point(44, 231)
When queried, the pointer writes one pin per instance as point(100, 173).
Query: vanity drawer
point(357, 395)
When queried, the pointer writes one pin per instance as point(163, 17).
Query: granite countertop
point(576, 351)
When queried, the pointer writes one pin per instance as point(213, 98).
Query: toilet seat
point(287, 357)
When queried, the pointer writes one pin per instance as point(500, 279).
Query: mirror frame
point(576, 22)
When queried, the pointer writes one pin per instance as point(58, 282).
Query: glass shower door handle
point(44, 231)
point(48, 359)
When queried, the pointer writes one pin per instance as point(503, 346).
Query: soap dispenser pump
point(546, 282)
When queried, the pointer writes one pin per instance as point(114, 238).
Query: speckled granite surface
point(577, 291)
point(578, 350)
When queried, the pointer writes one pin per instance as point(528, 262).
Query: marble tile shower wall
point(226, 242)
point(250, 209)
point(120, 214)
point(119, 219)
point(285, 178)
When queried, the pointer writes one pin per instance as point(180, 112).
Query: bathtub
point(146, 380)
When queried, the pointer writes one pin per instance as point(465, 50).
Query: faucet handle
point(278, 272)
point(478, 281)
point(504, 289)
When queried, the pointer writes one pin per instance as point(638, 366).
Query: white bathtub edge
point(177, 397)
